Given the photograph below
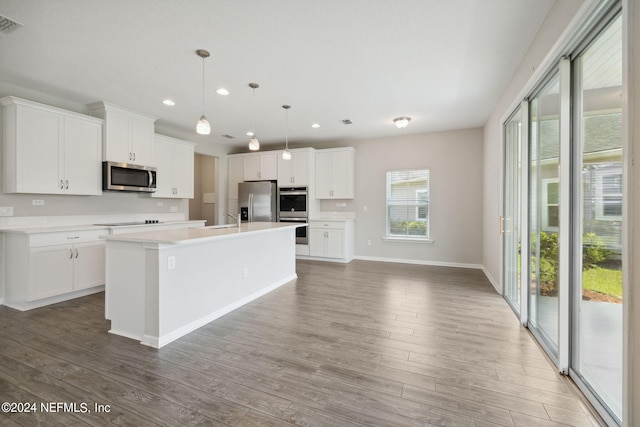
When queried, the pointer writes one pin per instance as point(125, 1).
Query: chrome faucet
point(236, 219)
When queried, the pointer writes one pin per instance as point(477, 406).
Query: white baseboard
point(54, 300)
point(157, 342)
point(421, 262)
point(493, 281)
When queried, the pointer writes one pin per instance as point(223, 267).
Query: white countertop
point(83, 227)
point(199, 235)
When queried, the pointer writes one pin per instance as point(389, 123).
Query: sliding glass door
point(544, 212)
point(563, 168)
point(510, 220)
point(597, 294)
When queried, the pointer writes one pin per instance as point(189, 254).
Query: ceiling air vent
point(229, 136)
point(7, 24)
point(347, 122)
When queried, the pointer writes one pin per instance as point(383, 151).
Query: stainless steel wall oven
point(292, 207)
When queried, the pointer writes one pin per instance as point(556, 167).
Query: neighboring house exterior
point(601, 177)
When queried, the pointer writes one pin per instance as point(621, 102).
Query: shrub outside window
point(408, 204)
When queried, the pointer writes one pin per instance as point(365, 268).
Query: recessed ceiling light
point(249, 133)
point(169, 102)
point(222, 91)
point(315, 126)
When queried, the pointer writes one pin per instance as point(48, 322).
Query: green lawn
point(605, 281)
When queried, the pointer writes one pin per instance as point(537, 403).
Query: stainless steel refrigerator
point(257, 201)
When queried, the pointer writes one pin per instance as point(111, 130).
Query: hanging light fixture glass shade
point(254, 144)
point(203, 127)
point(286, 154)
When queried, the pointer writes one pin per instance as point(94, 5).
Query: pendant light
point(203, 127)
point(254, 144)
point(286, 154)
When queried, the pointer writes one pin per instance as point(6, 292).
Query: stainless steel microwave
point(127, 177)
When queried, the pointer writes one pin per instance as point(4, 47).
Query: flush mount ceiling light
point(254, 144)
point(315, 125)
point(169, 102)
point(222, 91)
point(401, 122)
point(203, 127)
point(286, 154)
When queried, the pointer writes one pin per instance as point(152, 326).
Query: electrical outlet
point(245, 272)
point(6, 211)
point(37, 202)
point(368, 242)
point(171, 262)
point(173, 209)
point(160, 204)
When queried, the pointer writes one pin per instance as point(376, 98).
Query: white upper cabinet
point(82, 156)
point(335, 177)
point(297, 171)
point(128, 136)
point(260, 167)
point(48, 150)
point(235, 169)
point(174, 160)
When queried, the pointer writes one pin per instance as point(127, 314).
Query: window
point(609, 196)
point(550, 218)
point(408, 204)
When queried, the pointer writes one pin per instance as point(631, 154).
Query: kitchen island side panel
point(213, 279)
point(178, 288)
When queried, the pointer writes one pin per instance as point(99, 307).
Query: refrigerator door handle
point(250, 207)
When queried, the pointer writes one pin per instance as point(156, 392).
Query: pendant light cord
point(254, 112)
point(203, 85)
point(286, 126)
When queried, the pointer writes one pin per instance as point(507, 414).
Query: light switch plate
point(6, 211)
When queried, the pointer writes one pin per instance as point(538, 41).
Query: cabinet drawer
point(334, 225)
point(66, 237)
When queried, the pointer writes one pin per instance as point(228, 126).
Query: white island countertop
point(199, 235)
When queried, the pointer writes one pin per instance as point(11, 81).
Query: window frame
point(410, 204)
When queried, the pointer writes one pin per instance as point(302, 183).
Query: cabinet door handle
point(67, 185)
point(61, 185)
point(70, 253)
point(76, 253)
point(130, 156)
point(134, 157)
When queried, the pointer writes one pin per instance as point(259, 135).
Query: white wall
point(455, 163)
point(559, 17)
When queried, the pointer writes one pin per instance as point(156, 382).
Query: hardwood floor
point(372, 344)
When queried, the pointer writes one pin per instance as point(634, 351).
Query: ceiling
point(444, 63)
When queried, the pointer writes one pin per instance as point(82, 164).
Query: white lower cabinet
point(45, 268)
point(331, 239)
point(60, 269)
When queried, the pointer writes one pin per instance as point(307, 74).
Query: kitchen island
point(162, 285)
